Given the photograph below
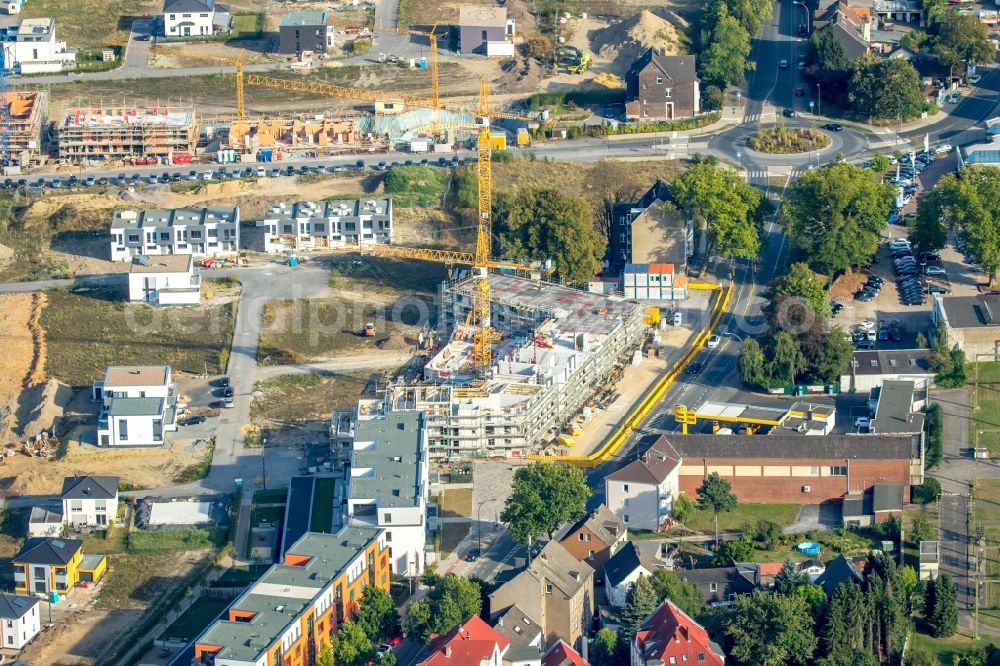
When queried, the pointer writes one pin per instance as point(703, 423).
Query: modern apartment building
point(138, 404)
point(31, 47)
point(312, 225)
point(94, 134)
point(197, 231)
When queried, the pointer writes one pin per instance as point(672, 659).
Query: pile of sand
point(608, 81)
point(394, 342)
point(43, 407)
point(626, 41)
point(519, 74)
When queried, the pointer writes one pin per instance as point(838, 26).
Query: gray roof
point(39, 550)
point(891, 362)
point(854, 46)
point(517, 626)
point(393, 464)
point(522, 653)
point(560, 568)
point(887, 497)
point(13, 606)
point(168, 217)
point(856, 505)
point(894, 413)
point(839, 571)
point(728, 581)
point(136, 406)
point(89, 487)
point(653, 467)
point(679, 68)
point(622, 564)
point(972, 311)
point(188, 5)
point(604, 524)
point(303, 19)
point(790, 447)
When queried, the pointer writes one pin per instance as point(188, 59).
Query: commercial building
point(194, 18)
point(287, 615)
point(558, 346)
point(19, 619)
point(138, 405)
point(46, 565)
point(596, 537)
point(311, 225)
point(895, 409)
point(662, 87)
point(93, 134)
point(31, 47)
point(642, 493)
point(164, 280)
point(869, 369)
point(555, 589)
point(387, 486)
point(485, 31)
point(792, 468)
point(89, 501)
point(27, 112)
point(305, 31)
point(971, 322)
point(157, 231)
point(670, 636)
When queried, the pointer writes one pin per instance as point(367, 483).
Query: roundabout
point(781, 140)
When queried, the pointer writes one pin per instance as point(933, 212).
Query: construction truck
point(369, 330)
point(583, 65)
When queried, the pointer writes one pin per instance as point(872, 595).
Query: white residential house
point(642, 493)
point(387, 485)
point(317, 225)
point(164, 280)
point(622, 570)
point(155, 232)
point(89, 501)
point(20, 620)
point(194, 18)
point(31, 48)
point(138, 404)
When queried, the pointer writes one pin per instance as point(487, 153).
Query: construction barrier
point(647, 404)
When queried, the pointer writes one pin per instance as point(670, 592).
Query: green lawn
point(322, 510)
point(783, 514)
point(247, 26)
point(85, 332)
point(162, 541)
point(945, 649)
point(196, 618)
point(106, 543)
point(985, 426)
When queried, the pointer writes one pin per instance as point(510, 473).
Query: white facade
point(616, 593)
point(642, 504)
point(20, 620)
point(155, 232)
point(388, 485)
point(31, 48)
point(90, 501)
point(137, 405)
point(316, 225)
point(44, 523)
point(187, 18)
point(164, 280)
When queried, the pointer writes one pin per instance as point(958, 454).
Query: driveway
point(816, 517)
point(386, 14)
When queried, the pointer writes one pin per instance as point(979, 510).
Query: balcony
point(19, 578)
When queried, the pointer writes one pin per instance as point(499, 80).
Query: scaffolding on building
point(120, 131)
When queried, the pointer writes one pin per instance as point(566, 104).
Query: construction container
point(265, 155)
point(498, 142)
point(523, 136)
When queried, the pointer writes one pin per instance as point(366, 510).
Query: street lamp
point(263, 467)
point(805, 10)
point(819, 101)
point(479, 521)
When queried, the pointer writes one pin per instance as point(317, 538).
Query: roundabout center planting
point(784, 140)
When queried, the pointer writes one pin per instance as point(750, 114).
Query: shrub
point(927, 492)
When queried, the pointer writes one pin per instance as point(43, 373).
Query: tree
point(716, 495)
point(639, 603)
point(917, 656)
point(771, 629)
point(802, 284)
point(541, 223)
point(605, 649)
point(387, 658)
point(752, 14)
point(941, 609)
point(846, 618)
point(451, 601)
point(543, 497)
point(724, 62)
point(834, 216)
point(880, 163)
point(829, 65)
point(683, 594)
point(885, 88)
point(935, 435)
point(751, 363)
point(956, 378)
point(789, 578)
point(767, 532)
point(325, 656)
point(826, 352)
point(735, 550)
point(786, 361)
point(885, 597)
point(728, 208)
point(921, 528)
point(928, 491)
point(908, 577)
point(962, 39)
point(351, 647)
point(682, 508)
point(537, 46)
point(377, 615)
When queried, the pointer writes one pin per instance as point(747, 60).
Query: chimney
point(447, 651)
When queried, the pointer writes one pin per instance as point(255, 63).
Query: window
point(590, 555)
point(624, 487)
point(388, 518)
point(625, 502)
point(659, 79)
point(548, 588)
point(123, 430)
point(673, 660)
point(684, 657)
point(579, 536)
point(10, 624)
point(588, 538)
point(388, 536)
point(669, 92)
point(76, 505)
point(874, 363)
point(701, 656)
point(713, 587)
point(173, 17)
point(838, 471)
point(10, 640)
point(625, 519)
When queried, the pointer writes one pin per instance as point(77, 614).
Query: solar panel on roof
point(18, 601)
point(143, 260)
point(58, 543)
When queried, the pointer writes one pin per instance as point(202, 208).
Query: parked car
point(788, 113)
point(836, 308)
point(782, 64)
point(934, 270)
point(937, 289)
point(694, 368)
point(943, 148)
point(833, 127)
point(955, 96)
point(975, 78)
point(194, 420)
point(713, 342)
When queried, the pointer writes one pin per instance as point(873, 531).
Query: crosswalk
point(764, 174)
point(753, 118)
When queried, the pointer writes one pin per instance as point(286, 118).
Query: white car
point(899, 243)
point(713, 342)
point(943, 148)
point(955, 96)
point(975, 78)
point(862, 422)
point(934, 270)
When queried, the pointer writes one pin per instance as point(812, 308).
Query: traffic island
point(787, 140)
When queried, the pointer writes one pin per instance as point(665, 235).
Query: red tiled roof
point(562, 654)
point(468, 644)
point(769, 568)
point(670, 632)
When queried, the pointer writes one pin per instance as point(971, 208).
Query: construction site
point(555, 351)
point(122, 131)
point(22, 134)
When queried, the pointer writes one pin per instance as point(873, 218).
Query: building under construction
point(114, 132)
point(251, 135)
point(556, 349)
point(27, 111)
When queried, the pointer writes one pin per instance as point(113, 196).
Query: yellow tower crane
point(481, 260)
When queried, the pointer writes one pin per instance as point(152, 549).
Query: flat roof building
point(972, 322)
point(27, 115)
point(94, 134)
point(305, 31)
point(312, 225)
point(868, 369)
point(159, 231)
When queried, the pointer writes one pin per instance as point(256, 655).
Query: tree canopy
point(886, 88)
point(834, 215)
point(639, 603)
point(684, 594)
point(725, 61)
point(351, 647)
point(731, 210)
point(377, 615)
point(715, 494)
point(801, 284)
point(452, 600)
point(962, 39)
point(771, 630)
point(940, 606)
point(543, 497)
point(540, 223)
